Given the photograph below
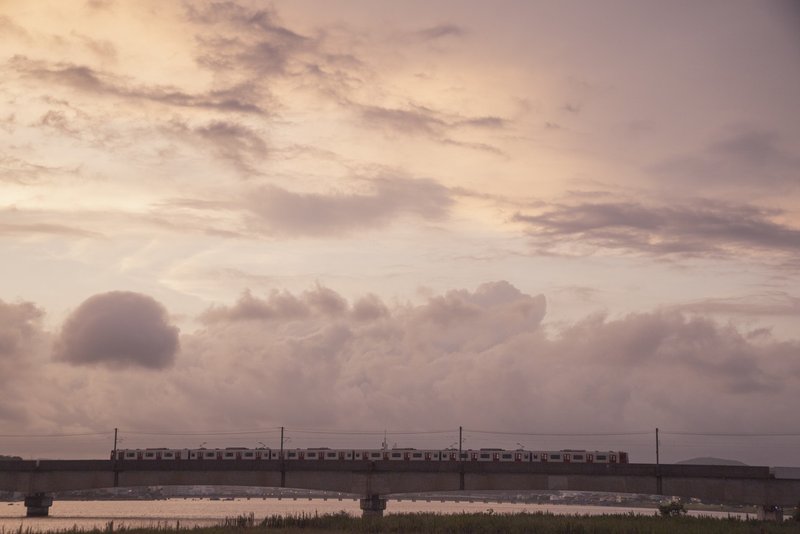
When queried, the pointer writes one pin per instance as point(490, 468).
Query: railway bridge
point(374, 481)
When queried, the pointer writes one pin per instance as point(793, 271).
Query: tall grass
point(471, 523)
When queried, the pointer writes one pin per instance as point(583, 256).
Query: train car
point(372, 455)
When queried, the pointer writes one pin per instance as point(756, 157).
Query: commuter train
point(371, 455)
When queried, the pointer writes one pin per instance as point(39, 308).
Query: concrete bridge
point(374, 481)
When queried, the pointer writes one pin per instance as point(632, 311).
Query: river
point(205, 512)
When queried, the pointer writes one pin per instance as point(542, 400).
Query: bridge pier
point(38, 505)
point(372, 506)
point(770, 512)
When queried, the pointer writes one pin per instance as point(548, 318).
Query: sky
point(556, 224)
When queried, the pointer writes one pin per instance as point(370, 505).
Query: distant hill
point(707, 460)
point(4, 457)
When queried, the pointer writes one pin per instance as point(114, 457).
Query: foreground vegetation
point(544, 523)
point(472, 523)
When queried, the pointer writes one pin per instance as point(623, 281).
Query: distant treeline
point(4, 457)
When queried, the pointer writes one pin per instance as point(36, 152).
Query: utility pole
point(657, 457)
point(115, 442)
point(460, 460)
point(659, 488)
point(281, 443)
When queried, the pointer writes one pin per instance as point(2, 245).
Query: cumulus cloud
point(118, 329)
point(483, 358)
point(486, 359)
point(283, 306)
point(21, 340)
point(702, 229)
point(284, 212)
point(19, 323)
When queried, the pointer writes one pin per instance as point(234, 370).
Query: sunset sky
point(531, 217)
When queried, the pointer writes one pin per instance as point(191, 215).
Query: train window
point(506, 457)
point(149, 455)
point(396, 455)
point(374, 455)
point(248, 455)
point(484, 456)
point(577, 456)
point(130, 455)
point(292, 454)
point(417, 455)
point(555, 456)
point(229, 455)
point(602, 457)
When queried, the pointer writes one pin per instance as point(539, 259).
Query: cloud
point(422, 120)
point(19, 323)
point(483, 358)
point(19, 171)
point(21, 341)
point(283, 306)
point(748, 157)
point(238, 98)
point(118, 329)
point(702, 229)
point(280, 211)
point(243, 147)
point(440, 31)
point(486, 359)
point(9, 28)
point(774, 303)
point(415, 120)
point(249, 39)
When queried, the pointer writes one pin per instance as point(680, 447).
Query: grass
point(472, 523)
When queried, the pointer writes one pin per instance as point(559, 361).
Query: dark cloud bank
point(484, 359)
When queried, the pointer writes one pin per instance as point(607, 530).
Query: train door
point(544, 457)
point(612, 458)
point(589, 458)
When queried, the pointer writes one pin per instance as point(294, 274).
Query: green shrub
point(672, 509)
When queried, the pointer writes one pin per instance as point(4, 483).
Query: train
point(372, 455)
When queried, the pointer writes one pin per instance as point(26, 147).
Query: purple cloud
point(118, 329)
